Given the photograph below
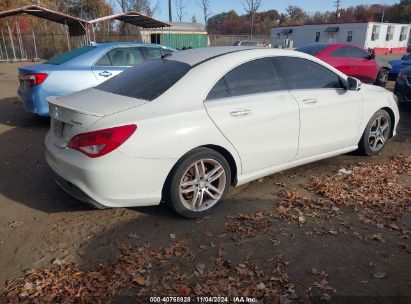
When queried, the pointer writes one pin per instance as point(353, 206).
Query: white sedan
point(185, 127)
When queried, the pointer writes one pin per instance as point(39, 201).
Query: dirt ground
point(41, 226)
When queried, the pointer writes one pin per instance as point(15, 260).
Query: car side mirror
point(371, 56)
point(353, 84)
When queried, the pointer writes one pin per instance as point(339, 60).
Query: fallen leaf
point(333, 231)
point(140, 280)
point(261, 286)
point(200, 268)
point(183, 290)
point(134, 236)
point(379, 275)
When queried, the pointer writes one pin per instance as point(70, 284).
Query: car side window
point(104, 61)
point(257, 76)
point(341, 52)
point(122, 57)
point(253, 77)
point(307, 74)
point(156, 53)
point(356, 53)
point(219, 90)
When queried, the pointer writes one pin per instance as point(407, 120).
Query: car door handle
point(105, 74)
point(310, 100)
point(240, 113)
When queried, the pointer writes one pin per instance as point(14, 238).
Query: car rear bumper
point(114, 180)
point(34, 101)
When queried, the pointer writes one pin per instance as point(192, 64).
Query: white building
point(381, 37)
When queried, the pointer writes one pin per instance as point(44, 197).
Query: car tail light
point(98, 143)
point(35, 79)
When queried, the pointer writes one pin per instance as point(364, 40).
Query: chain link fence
point(45, 46)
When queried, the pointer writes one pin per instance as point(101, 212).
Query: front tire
point(376, 134)
point(198, 183)
point(382, 78)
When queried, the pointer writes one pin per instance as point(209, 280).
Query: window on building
point(404, 33)
point(375, 32)
point(349, 36)
point(317, 36)
point(390, 33)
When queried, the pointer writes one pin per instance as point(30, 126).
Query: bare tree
point(142, 6)
point(205, 7)
point(146, 7)
point(181, 8)
point(122, 4)
point(251, 7)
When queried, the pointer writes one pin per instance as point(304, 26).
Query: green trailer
point(181, 35)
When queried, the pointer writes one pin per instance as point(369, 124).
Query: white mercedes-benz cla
point(185, 127)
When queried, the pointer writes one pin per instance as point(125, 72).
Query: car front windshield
point(313, 49)
point(69, 55)
point(148, 80)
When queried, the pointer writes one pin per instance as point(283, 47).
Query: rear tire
point(382, 78)
point(376, 134)
point(198, 183)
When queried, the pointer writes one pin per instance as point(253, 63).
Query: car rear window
point(313, 49)
point(69, 55)
point(146, 81)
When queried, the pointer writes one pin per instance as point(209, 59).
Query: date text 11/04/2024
point(202, 300)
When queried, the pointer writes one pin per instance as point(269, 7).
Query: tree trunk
point(252, 24)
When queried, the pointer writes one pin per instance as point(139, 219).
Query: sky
point(219, 6)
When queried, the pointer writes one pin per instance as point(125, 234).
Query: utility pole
point(337, 4)
point(170, 11)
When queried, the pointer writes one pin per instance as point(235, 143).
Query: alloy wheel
point(383, 78)
point(202, 185)
point(379, 133)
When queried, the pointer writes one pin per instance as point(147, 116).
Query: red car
point(351, 60)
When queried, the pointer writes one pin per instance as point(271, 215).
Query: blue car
point(79, 69)
point(399, 65)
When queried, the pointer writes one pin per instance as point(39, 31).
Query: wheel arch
point(230, 159)
point(392, 117)
point(224, 152)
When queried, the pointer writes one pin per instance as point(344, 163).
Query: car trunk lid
point(76, 113)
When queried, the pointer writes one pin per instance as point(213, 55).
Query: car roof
point(197, 56)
